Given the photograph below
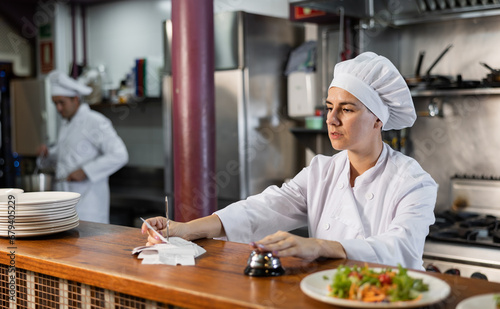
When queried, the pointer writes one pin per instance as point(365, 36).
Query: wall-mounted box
point(301, 94)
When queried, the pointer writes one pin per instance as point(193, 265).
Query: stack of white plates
point(39, 213)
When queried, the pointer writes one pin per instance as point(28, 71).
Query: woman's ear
point(378, 124)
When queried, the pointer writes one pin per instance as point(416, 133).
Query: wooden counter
point(97, 258)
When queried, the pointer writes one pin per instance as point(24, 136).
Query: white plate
point(5, 191)
point(316, 286)
point(40, 224)
point(38, 220)
point(54, 206)
point(44, 217)
point(30, 213)
point(38, 198)
point(43, 205)
point(485, 301)
point(42, 231)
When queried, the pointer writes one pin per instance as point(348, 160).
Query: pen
point(156, 232)
point(166, 215)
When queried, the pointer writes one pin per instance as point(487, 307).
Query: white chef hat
point(376, 82)
point(63, 85)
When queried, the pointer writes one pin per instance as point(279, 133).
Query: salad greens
point(369, 285)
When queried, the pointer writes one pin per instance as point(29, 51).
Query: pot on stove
point(37, 182)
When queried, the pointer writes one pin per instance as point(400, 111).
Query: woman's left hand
point(286, 244)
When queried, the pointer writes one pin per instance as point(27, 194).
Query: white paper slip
point(175, 242)
point(186, 250)
point(185, 260)
point(177, 252)
point(149, 257)
point(153, 259)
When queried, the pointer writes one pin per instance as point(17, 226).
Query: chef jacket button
point(341, 185)
point(369, 196)
point(327, 226)
point(359, 237)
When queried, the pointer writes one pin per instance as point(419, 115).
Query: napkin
point(177, 252)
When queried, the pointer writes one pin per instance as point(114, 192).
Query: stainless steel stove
point(465, 240)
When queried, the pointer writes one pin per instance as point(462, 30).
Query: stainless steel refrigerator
point(255, 147)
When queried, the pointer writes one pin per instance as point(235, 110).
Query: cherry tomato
point(384, 279)
point(356, 274)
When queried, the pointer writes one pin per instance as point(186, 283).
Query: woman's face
point(351, 126)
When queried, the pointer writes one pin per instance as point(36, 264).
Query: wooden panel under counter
point(93, 264)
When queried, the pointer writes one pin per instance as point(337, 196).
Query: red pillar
point(193, 109)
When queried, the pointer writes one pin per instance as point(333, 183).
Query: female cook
point(367, 203)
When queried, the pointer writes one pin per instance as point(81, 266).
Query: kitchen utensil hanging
point(493, 78)
point(429, 81)
point(417, 80)
point(434, 81)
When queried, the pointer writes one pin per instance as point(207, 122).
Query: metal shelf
point(445, 15)
point(351, 8)
point(454, 92)
point(410, 12)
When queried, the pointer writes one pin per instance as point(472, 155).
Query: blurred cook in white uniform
point(367, 203)
point(87, 152)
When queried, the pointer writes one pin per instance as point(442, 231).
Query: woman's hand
point(286, 244)
point(160, 225)
point(206, 227)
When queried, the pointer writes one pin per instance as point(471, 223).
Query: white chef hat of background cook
point(376, 82)
point(63, 85)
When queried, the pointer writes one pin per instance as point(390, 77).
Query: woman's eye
point(347, 110)
point(328, 109)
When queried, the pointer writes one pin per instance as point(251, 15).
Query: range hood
point(405, 12)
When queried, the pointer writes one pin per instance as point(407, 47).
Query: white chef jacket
point(383, 219)
point(88, 141)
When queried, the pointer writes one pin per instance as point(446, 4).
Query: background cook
point(87, 152)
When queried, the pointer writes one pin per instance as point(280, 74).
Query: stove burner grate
point(466, 228)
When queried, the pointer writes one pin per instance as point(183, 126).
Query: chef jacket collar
point(370, 175)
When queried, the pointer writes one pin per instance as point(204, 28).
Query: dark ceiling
point(34, 2)
point(20, 12)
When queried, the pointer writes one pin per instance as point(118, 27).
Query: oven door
point(462, 269)
point(466, 261)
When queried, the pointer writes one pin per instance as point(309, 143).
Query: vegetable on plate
point(376, 285)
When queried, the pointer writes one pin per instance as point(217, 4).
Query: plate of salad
point(484, 301)
point(364, 287)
